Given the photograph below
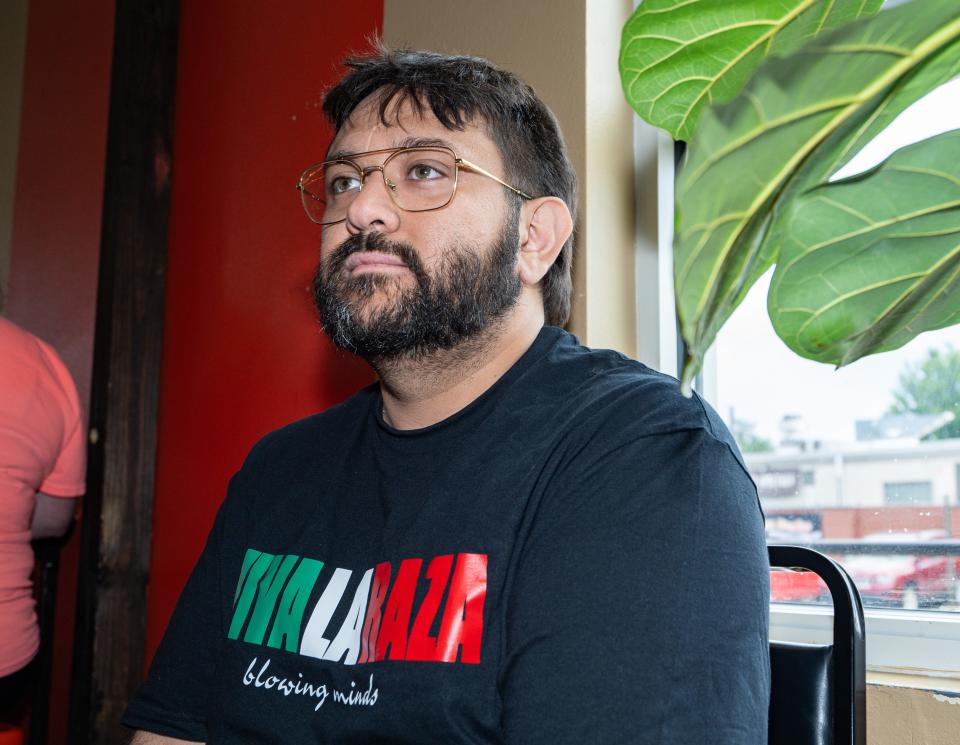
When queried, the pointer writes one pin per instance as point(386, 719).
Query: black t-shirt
point(575, 557)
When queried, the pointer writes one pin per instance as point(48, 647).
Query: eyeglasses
point(418, 179)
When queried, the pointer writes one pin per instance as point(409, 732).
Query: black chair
point(47, 553)
point(818, 691)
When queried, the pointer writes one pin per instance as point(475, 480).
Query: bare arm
point(149, 738)
point(52, 516)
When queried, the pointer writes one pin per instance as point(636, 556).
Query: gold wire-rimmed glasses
point(418, 179)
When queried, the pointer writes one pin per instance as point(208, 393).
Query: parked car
point(904, 581)
point(797, 587)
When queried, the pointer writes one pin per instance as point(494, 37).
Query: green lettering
point(251, 556)
point(286, 626)
point(268, 590)
point(255, 563)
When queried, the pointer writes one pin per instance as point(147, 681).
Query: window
point(840, 466)
point(908, 492)
point(825, 448)
point(876, 443)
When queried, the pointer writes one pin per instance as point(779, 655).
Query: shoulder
point(629, 452)
point(283, 460)
point(312, 436)
point(32, 364)
point(24, 350)
point(609, 400)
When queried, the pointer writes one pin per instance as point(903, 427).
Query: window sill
point(920, 645)
point(914, 682)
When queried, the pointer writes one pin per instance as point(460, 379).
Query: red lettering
point(462, 625)
point(371, 625)
point(396, 616)
point(421, 646)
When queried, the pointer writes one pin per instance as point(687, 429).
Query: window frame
point(911, 642)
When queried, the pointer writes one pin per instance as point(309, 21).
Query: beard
point(465, 296)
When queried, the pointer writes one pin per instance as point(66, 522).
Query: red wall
point(55, 242)
point(242, 353)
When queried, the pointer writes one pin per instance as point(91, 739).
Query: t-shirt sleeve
point(638, 611)
point(173, 700)
point(68, 475)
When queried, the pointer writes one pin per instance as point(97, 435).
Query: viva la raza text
point(270, 605)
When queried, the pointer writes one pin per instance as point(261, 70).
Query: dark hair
point(460, 90)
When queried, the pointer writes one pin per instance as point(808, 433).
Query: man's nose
point(373, 207)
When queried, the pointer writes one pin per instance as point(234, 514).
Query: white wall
point(569, 56)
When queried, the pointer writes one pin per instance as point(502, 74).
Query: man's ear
point(545, 225)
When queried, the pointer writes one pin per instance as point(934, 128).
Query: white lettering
point(248, 676)
point(313, 644)
point(355, 697)
point(286, 686)
point(259, 683)
point(348, 638)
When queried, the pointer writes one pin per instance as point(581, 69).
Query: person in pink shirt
point(42, 468)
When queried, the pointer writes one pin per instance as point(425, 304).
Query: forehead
point(403, 125)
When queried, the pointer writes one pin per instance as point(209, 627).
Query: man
point(510, 538)
point(42, 469)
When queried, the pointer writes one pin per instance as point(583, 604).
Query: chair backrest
point(818, 692)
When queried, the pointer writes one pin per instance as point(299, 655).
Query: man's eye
point(344, 183)
point(424, 172)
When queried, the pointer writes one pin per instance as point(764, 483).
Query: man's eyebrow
point(425, 142)
point(406, 142)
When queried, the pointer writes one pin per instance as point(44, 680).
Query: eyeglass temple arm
point(484, 172)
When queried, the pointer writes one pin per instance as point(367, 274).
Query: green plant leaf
point(843, 145)
point(678, 56)
point(868, 263)
point(937, 70)
point(788, 129)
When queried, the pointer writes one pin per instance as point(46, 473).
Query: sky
point(761, 379)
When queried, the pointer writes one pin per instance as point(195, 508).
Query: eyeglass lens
point(417, 180)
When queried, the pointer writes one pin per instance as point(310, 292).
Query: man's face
point(396, 284)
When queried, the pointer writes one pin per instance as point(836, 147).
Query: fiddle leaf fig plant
point(869, 262)
point(679, 56)
point(791, 95)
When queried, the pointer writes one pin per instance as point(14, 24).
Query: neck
point(421, 391)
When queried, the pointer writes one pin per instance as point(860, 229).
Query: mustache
point(374, 242)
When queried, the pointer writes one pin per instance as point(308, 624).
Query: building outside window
point(862, 461)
